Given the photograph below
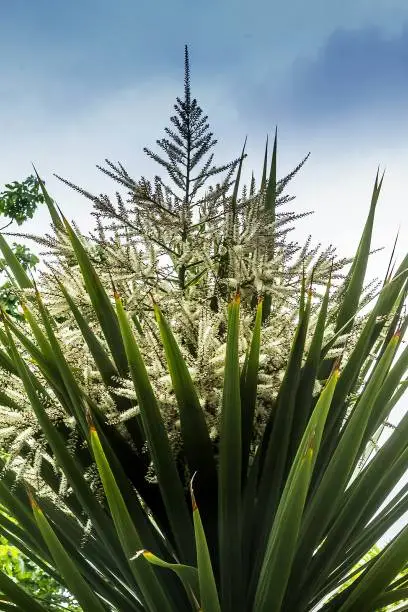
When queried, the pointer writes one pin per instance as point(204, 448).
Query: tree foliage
point(33, 579)
point(19, 200)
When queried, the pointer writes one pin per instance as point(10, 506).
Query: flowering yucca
point(188, 407)
point(189, 252)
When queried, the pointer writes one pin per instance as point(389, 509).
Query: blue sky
point(84, 80)
point(88, 79)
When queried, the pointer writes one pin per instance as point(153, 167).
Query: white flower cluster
point(191, 275)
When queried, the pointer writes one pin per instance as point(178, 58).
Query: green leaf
point(282, 540)
point(234, 198)
point(105, 580)
point(390, 597)
point(230, 470)
point(19, 596)
point(381, 407)
point(375, 580)
point(65, 460)
point(73, 391)
point(158, 442)
point(105, 367)
point(75, 582)
point(366, 497)
point(276, 446)
point(150, 586)
point(196, 440)
point(387, 299)
point(270, 198)
point(100, 356)
point(248, 388)
point(187, 574)
point(208, 589)
point(263, 179)
point(19, 509)
point(355, 280)
point(42, 356)
point(102, 305)
point(21, 276)
point(304, 396)
point(270, 208)
point(56, 219)
point(325, 500)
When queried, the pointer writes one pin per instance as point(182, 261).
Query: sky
point(95, 79)
point(86, 80)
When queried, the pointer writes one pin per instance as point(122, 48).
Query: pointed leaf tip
point(62, 214)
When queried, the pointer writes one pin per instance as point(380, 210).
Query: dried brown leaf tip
point(32, 500)
point(336, 366)
point(89, 420)
point(114, 290)
point(193, 500)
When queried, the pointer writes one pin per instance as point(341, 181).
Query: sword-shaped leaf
point(21, 276)
point(379, 575)
point(102, 305)
point(56, 219)
point(230, 470)
point(355, 280)
point(69, 571)
point(148, 582)
point(158, 443)
point(208, 590)
point(65, 460)
point(196, 439)
point(324, 503)
point(100, 356)
point(283, 537)
point(187, 574)
point(248, 384)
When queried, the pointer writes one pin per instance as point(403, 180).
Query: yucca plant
point(225, 525)
point(206, 440)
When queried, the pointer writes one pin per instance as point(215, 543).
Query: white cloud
point(336, 182)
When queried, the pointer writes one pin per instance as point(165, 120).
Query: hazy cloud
point(358, 72)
